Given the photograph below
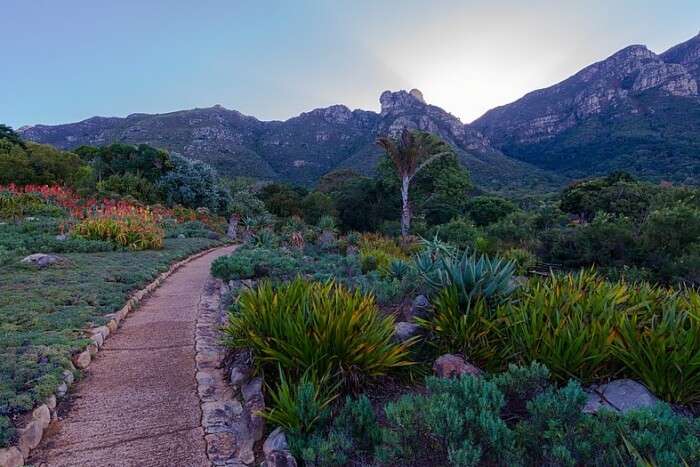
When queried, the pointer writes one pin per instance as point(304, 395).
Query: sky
point(64, 61)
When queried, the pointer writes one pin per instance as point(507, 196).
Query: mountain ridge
point(634, 110)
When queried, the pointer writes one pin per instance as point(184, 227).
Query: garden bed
point(547, 343)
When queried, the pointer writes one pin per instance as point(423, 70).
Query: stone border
point(31, 435)
point(231, 420)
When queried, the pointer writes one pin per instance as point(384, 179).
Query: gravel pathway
point(138, 403)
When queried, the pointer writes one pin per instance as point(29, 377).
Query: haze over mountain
point(635, 111)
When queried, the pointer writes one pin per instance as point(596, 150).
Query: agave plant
point(396, 269)
point(471, 275)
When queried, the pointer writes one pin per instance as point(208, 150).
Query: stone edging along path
point(32, 433)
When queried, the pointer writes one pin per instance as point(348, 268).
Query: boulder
point(404, 331)
point(280, 459)
point(620, 395)
point(61, 237)
point(452, 366)
point(240, 374)
point(420, 307)
point(277, 441)
point(40, 260)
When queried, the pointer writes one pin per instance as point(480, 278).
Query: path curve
point(138, 403)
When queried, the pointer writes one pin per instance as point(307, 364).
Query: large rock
point(420, 307)
point(276, 450)
point(453, 366)
point(41, 260)
point(404, 331)
point(621, 395)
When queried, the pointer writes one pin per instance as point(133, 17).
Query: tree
point(485, 210)
point(7, 133)
point(411, 152)
point(194, 184)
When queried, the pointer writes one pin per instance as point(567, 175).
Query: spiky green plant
point(661, 346)
point(323, 326)
point(396, 269)
point(474, 329)
point(472, 276)
point(568, 323)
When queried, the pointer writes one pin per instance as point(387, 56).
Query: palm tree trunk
point(405, 207)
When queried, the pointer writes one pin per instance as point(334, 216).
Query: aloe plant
point(471, 275)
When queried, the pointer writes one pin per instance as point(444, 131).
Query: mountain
point(635, 111)
point(302, 148)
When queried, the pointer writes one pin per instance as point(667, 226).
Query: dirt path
point(138, 404)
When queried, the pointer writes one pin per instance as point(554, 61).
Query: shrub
point(474, 329)
point(662, 348)
point(473, 277)
point(249, 263)
point(568, 322)
point(523, 259)
point(460, 232)
point(131, 232)
point(320, 327)
point(485, 210)
point(17, 205)
point(513, 418)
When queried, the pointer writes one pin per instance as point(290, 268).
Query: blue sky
point(67, 60)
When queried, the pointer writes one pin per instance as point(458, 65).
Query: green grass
point(42, 313)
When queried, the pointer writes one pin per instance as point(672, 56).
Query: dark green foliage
point(194, 184)
point(120, 159)
point(283, 200)
point(363, 205)
point(33, 163)
point(317, 205)
point(129, 185)
point(459, 232)
point(9, 135)
point(485, 210)
point(618, 193)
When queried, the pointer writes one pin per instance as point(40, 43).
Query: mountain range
point(636, 111)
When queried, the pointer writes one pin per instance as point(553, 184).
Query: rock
point(30, 437)
point(68, 377)
point(239, 375)
point(621, 395)
point(280, 459)
point(277, 441)
point(62, 389)
point(252, 390)
point(11, 457)
point(404, 331)
point(221, 446)
point(40, 260)
point(181, 236)
point(61, 237)
point(82, 360)
point(420, 306)
point(51, 402)
point(42, 414)
point(451, 366)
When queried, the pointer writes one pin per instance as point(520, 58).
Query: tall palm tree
point(411, 152)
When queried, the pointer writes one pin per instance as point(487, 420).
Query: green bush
point(662, 347)
point(249, 263)
point(567, 323)
point(474, 329)
point(320, 327)
point(511, 419)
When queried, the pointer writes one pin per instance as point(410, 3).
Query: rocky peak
point(401, 100)
point(686, 54)
point(338, 114)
